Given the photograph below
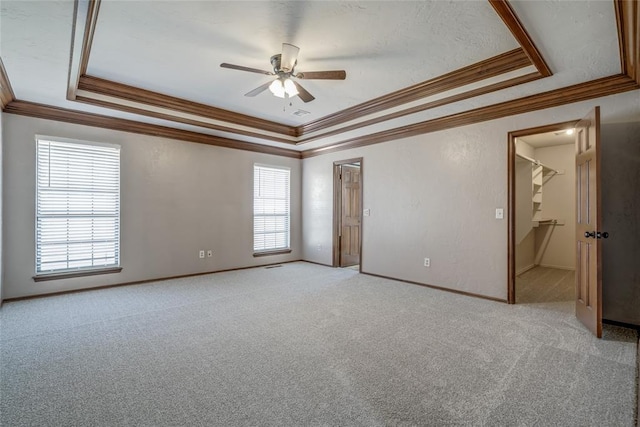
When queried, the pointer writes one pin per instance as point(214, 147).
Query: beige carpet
point(306, 345)
point(543, 284)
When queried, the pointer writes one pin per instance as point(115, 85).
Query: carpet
point(305, 344)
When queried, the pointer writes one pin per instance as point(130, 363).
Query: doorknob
point(602, 235)
point(588, 234)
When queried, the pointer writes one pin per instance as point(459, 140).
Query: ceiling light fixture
point(569, 131)
point(281, 87)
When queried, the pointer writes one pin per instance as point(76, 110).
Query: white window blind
point(271, 214)
point(77, 206)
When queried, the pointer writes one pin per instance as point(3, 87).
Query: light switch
point(366, 212)
point(499, 213)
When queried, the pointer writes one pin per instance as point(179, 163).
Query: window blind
point(271, 213)
point(77, 206)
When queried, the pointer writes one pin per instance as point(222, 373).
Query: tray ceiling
point(407, 63)
point(176, 48)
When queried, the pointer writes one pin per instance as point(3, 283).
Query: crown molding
point(433, 104)
point(177, 119)
point(628, 21)
point(6, 92)
point(593, 89)
point(158, 100)
point(32, 109)
point(81, 41)
point(511, 20)
point(491, 67)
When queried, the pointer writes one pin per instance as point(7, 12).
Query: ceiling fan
point(284, 68)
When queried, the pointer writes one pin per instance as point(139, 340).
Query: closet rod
point(536, 162)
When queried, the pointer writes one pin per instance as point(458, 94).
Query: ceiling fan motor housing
point(276, 62)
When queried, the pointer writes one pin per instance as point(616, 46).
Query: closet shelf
point(548, 221)
point(538, 163)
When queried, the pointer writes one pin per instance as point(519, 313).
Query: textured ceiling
point(548, 139)
point(175, 48)
point(383, 46)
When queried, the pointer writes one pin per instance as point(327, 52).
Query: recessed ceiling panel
point(175, 48)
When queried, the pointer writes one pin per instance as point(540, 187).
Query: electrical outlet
point(319, 247)
point(427, 262)
point(209, 253)
point(201, 254)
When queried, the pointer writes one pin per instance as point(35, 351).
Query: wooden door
point(350, 216)
point(588, 244)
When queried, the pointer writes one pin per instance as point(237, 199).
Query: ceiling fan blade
point(303, 94)
point(258, 90)
point(241, 68)
point(289, 57)
point(323, 75)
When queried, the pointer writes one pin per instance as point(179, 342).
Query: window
point(77, 206)
point(271, 215)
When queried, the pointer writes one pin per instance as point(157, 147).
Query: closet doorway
point(545, 216)
point(347, 213)
point(555, 218)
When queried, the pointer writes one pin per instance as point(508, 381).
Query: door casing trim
point(511, 196)
point(337, 208)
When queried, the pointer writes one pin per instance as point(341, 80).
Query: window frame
point(78, 271)
point(275, 250)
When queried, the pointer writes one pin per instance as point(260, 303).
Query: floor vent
point(273, 266)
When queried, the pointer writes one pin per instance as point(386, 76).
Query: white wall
point(435, 195)
point(176, 198)
point(555, 243)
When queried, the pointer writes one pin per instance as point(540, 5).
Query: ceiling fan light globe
point(277, 88)
point(290, 88)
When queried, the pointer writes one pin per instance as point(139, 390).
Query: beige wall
point(435, 195)
point(176, 198)
point(555, 243)
point(432, 195)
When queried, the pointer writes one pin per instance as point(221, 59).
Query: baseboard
point(440, 288)
point(623, 324)
point(317, 263)
point(525, 269)
point(559, 267)
point(141, 282)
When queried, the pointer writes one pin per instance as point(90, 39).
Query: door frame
point(337, 208)
point(511, 196)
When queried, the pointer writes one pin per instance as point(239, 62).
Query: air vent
point(300, 113)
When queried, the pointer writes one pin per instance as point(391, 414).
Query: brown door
point(350, 217)
point(588, 244)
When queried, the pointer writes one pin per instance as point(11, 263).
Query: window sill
point(71, 274)
point(276, 252)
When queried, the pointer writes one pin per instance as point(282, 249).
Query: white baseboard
point(525, 269)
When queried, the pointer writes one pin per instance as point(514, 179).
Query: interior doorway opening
point(587, 213)
point(542, 190)
point(347, 213)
